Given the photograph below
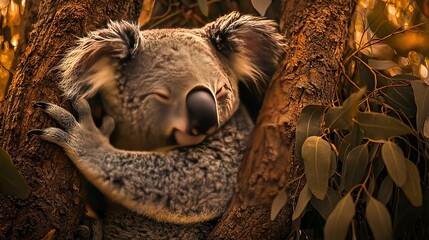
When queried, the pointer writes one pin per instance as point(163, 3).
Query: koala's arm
point(183, 186)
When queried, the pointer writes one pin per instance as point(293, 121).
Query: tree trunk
point(55, 205)
point(316, 32)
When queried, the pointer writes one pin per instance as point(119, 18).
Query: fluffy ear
point(251, 44)
point(91, 64)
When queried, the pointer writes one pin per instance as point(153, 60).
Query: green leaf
point(338, 222)
point(374, 150)
point(325, 206)
point(316, 153)
point(404, 77)
point(355, 166)
point(357, 136)
point(378, 22)
point(261, 6)
point(364, 77)
point(377, 126)
point(333, 166)
point(401, 98)
point(381, 64)
point(426, 128)
point(204, 7)
point(379, 220)
point(309, 124)
point(146, 12)
point(303, 199)
point(412, 188)
point(421, 97)
point(341, 117)
point(278, 203)
point(345, 146)
point(11, 181)
point(393, 158)
point(377, 161)
point(386, 189)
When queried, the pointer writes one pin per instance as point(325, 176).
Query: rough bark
point(316, 32)
point(55, 205)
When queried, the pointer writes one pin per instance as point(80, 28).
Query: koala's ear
point(251, 44)
point(91, 64)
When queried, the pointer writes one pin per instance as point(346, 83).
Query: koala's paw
point(77, 136)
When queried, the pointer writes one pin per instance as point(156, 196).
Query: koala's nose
point(202, 112)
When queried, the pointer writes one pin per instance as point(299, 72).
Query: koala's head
point(171, 87)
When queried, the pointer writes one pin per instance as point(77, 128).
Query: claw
point(34, 132)
point(42, 105)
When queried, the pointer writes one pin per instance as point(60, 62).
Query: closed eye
point(162, 95)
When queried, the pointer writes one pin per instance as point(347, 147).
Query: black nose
point(202, 112)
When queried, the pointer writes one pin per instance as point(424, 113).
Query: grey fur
point(251, 44)
point(184, 186)
point(191, 187)
point(143, 78)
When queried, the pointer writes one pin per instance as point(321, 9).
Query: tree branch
point(55, 205)
point(316, 32)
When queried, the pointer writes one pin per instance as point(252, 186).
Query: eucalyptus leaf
point(146, 12)
point(379, 220)
point(357, 161)
point(316, 154)
point(421, 97)
point(279, 202)
point(341, 117)
point(374, 150)
point(261, 6)
point(401, 98)
point(345, 146)
point(11, 181)
point(381, 64)
point(303, 199)
point(338, 222)
point(378, 126)
point(404, 77)
point(393, 159)
point(378, 23)
point(386, 189)
point(364, 77)
point(357, 136)
point(309, 124)
point(204, 7)
point(412, 188)
point(325, 206)
point(426, 128)
point(333, 166)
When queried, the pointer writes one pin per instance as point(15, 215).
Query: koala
point(168, 150)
